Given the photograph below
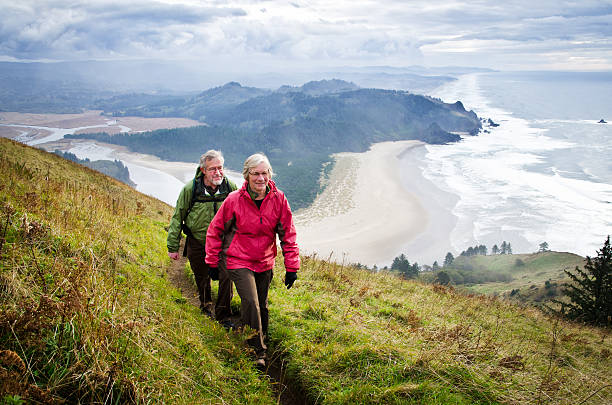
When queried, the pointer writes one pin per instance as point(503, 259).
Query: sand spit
point(91, 118)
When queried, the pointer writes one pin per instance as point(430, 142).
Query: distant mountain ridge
point(215, 100)
point(71, 87)
point(321, 87)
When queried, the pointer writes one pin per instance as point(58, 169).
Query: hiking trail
point(275, 367)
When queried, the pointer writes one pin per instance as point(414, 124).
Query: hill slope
point(533, 278)
point(87, 314)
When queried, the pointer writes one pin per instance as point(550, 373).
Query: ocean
point(543, 175)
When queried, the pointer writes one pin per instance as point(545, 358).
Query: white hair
point(210, 155)
point(254, 161)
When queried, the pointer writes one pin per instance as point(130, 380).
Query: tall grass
point(350, 336)
point(86, 312)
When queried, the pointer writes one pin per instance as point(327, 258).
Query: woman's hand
point(290, 277)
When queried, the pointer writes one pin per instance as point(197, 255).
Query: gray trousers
point(196, 255)
point(253, 289)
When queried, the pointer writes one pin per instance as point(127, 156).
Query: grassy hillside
point(532, 278)
point(87, 314)
point(354, 337)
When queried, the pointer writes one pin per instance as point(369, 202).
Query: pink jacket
point(246, 235)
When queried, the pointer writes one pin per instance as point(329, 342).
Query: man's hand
point(173, 255)
point(213, 272)
point(290, 277)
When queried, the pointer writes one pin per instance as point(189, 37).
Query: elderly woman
point(241, 240)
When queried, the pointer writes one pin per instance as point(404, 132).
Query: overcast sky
point(236, 34)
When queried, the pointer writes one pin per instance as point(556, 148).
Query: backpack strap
point(223, 188)
point(184, 227)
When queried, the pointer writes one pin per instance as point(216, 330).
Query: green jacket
point(201, 214)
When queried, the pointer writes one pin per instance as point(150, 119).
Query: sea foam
point(507, 186)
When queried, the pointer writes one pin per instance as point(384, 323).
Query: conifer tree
point(448, 260)
point(401, 264)
point(414, 270)
point(504, 248)
point(590, 292)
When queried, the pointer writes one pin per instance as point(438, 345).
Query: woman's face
point(259, 178)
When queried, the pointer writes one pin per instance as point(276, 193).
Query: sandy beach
point(366, 214)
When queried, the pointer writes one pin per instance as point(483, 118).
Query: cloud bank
point(236, 34)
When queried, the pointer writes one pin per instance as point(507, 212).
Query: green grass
point(87, 314)
point(350, 336)
point(523, 270)
point(85, 305)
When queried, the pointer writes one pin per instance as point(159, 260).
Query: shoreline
point(435, 241)
point(370, 213)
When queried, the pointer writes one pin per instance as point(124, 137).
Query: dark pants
point(196, 255)
point(253, 289)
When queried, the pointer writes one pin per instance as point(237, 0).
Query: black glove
point(213, 272)
point(290, 277)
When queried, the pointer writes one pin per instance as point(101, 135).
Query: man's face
point(213, 173)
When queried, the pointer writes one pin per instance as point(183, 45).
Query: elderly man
point(196, 207)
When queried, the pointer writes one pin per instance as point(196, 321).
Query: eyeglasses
point(214, 169)
point(257, 174)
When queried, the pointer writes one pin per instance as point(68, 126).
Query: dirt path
point(176, 273)
point(275, 370)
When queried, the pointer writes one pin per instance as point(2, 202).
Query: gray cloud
point(340, 32)
point(64, 30)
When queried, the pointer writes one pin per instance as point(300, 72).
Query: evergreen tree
point(400, 263)
point(435, 265)
point(414, 270)
point(543, 247)
point(591, 291)
point(448, 260)
point(504, 248)
point(495, 249)
point(509, 249)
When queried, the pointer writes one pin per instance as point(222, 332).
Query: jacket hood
point(198, 173)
